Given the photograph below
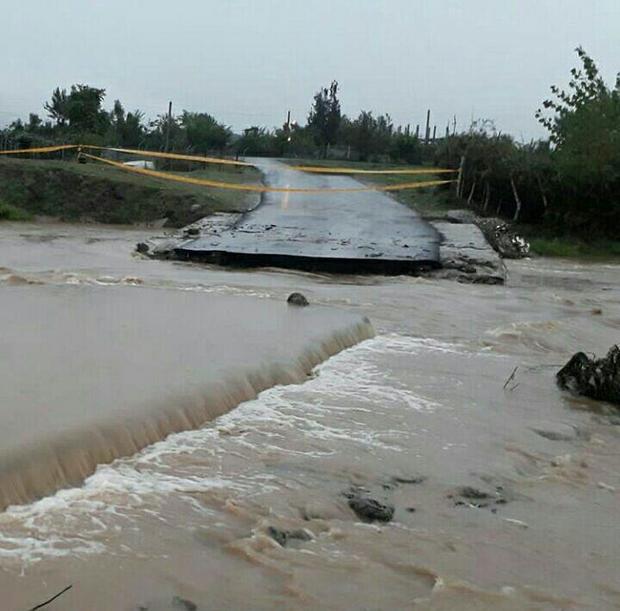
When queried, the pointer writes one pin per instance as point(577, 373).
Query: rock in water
point(595, 378)
point(142, 247)
point(371, 510)
point(282, 537)
point(297, 299)
point(183, 603)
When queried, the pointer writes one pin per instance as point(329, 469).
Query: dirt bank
point(70, 191)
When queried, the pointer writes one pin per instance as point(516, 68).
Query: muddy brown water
point(188, 518)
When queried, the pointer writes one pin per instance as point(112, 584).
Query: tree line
point(78, 115)
point(570, 179)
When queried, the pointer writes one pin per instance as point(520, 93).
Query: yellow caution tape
point(261, 188)
point(320, 170)
point(41, 149)
point(159, 155)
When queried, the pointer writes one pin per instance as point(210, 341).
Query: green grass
point(8, 212)
point(571, 247)
point(71, 191)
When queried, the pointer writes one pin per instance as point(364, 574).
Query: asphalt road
point(368, 227)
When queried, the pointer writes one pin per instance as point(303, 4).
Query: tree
point(127, 128)
point(325, 117)
point(57, 107)
point(80, 110)
point(370, 135)
point(204, 133)
point(585, 129)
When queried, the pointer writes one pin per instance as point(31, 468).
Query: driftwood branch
point(511, 377)
point(52, 599)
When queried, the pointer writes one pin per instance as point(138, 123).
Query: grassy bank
point(433, 203)
point(71, 191)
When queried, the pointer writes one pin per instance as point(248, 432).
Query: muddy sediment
point(96, 374)
point(504, 496)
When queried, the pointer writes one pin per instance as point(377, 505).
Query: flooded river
point(506, 496)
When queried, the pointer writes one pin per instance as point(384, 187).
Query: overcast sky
point(249, 61)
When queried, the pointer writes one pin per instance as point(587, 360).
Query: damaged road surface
point(339, 231)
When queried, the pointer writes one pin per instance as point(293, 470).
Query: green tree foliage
point(325, 117)
point(256, 141)
point(572, 181)
point(80, 110)
point(57, 108)
point(370, 135)
point(127, 129)
point(405, 147)
point(204, 133)
point(585, 128)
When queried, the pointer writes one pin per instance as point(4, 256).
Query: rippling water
point(423, 401)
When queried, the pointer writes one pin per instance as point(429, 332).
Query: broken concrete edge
point(465, 254)
point(498, 232)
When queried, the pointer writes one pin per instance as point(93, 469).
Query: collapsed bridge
point(308, 217)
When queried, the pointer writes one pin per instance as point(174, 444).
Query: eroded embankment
point(93, 374)
point(70, 191)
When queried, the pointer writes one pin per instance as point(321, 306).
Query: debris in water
point(297, 299)
point(49, 600)
point(511, 378)
point(591, 377)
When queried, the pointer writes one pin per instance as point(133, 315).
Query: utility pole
point(427, 133)
point(434, 132)
point(168, 123)
point(417, 131)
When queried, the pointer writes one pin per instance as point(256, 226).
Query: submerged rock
point(368, 509)
point(282, 537)
point(413, 479)
point(474, 497)
point(591, 377)
point(297, 299)
point(468, 492)
point(183, 603)
point(556, 432)
point(142, 247)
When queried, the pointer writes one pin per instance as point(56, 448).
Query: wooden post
point(459, 180)
point(517, 199)
point(487, 195)
point(417, 131)
point(471, 194)
point(542, 193)
point(168, 123)
point(434, 132)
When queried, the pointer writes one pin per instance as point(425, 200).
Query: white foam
point(337, 406)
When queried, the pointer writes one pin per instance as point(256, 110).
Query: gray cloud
point(248, 61)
